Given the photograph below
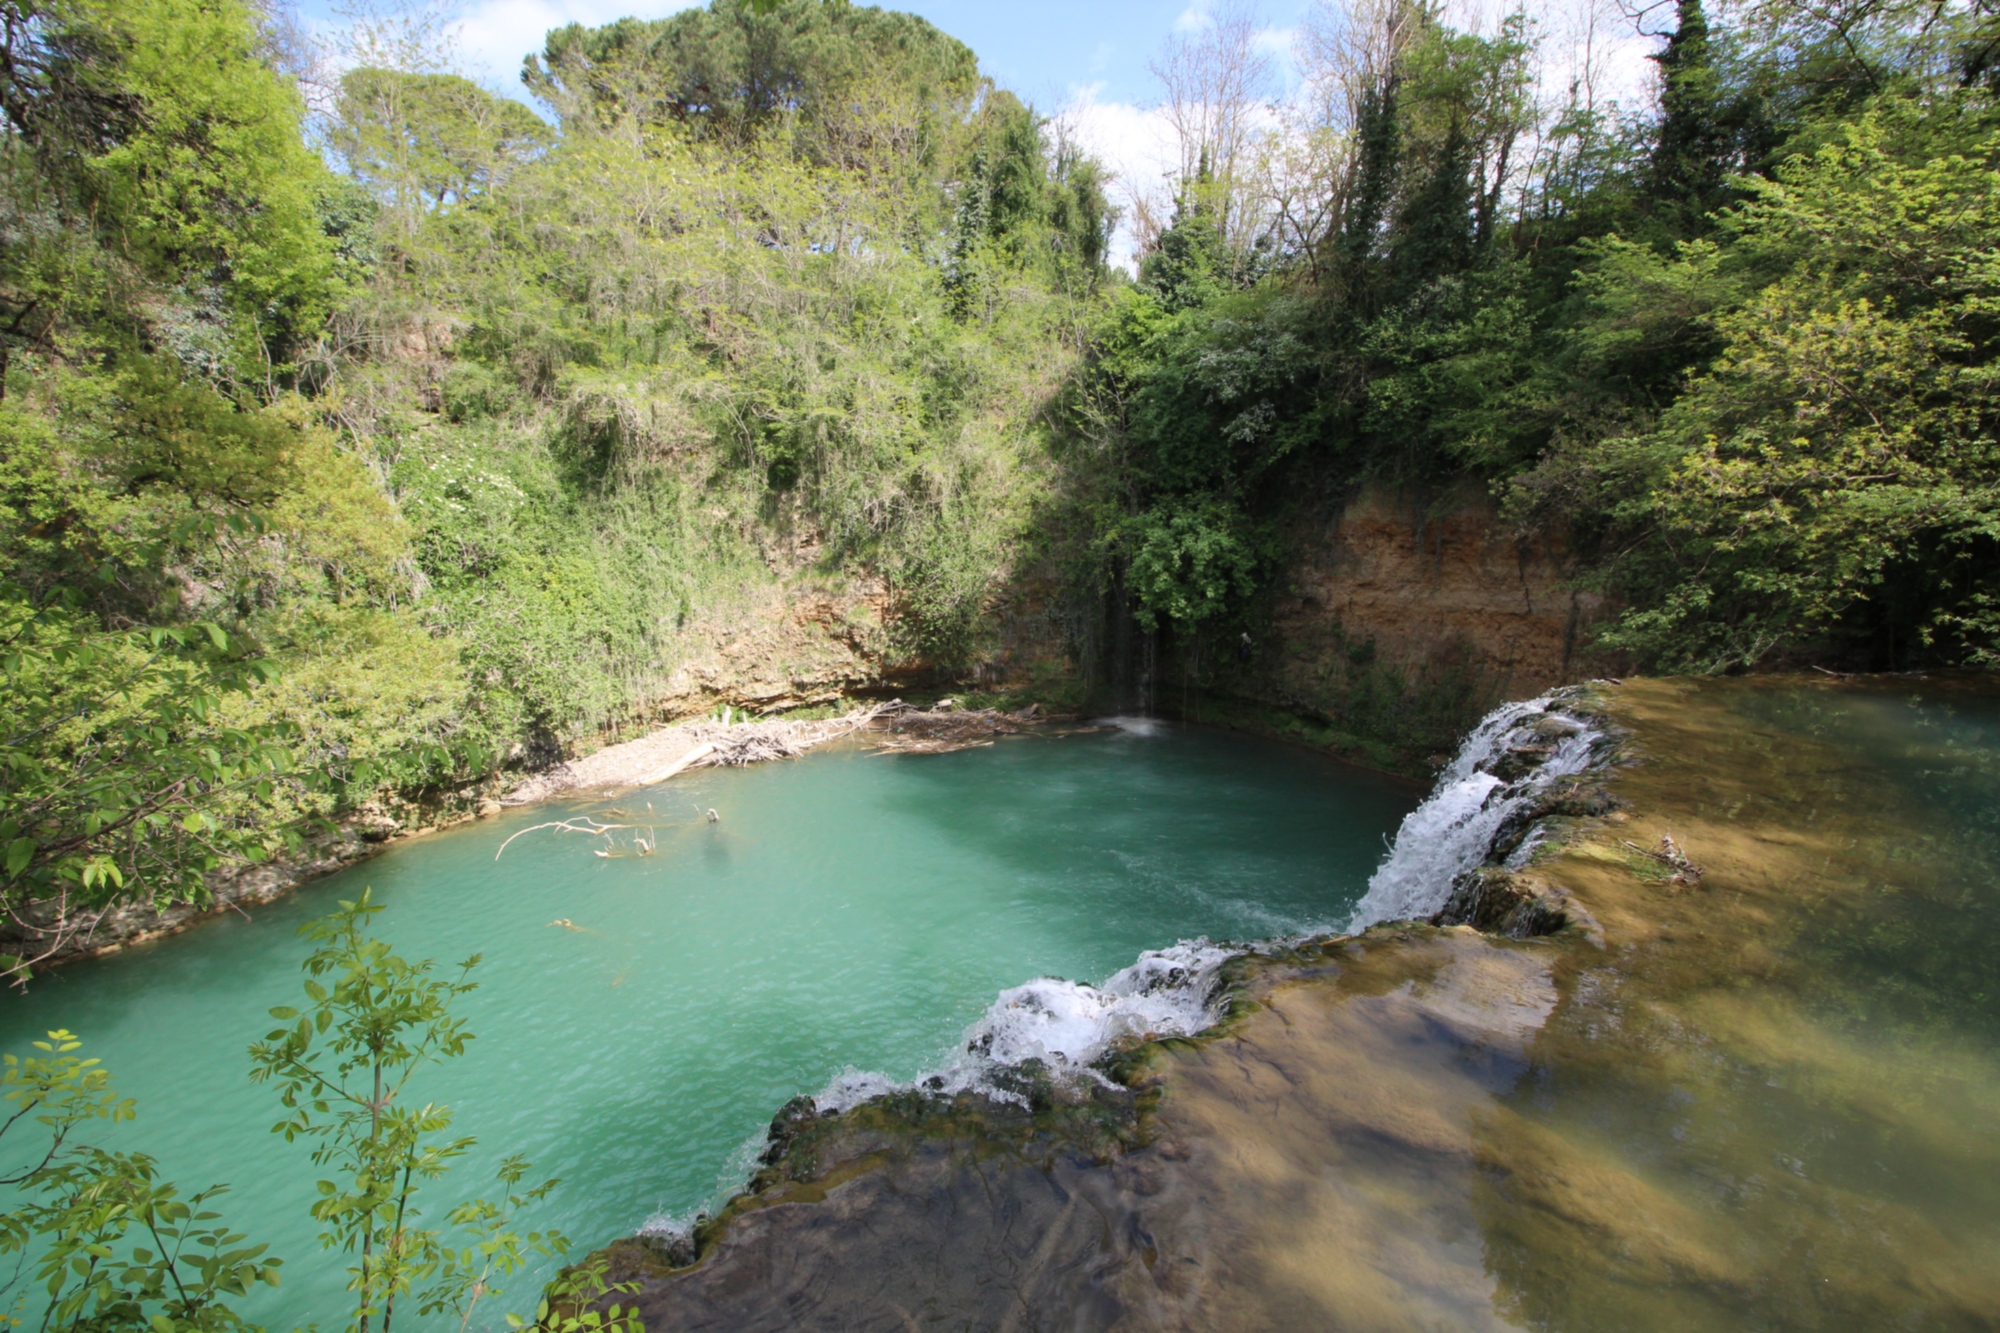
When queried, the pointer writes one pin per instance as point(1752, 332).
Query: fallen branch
point(582, 824)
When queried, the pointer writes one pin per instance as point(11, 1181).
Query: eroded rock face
point(1395, 595)
point(1423, 582)
point(780, 647)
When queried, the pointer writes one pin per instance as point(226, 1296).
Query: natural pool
point(1765, 1099)
point(847, 911)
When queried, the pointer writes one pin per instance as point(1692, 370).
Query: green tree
point(122, 782)
point(1695, 152)
point(727, 71)
point(115, 1249)
point(383, 1020)
point(1377, 174)
point(1190, 263)
point(343, 1067)
point(150, 140)
point(1830, 480)
point(427, 141)
point(112, 1246)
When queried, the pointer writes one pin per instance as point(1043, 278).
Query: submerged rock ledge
point(1563, 1118)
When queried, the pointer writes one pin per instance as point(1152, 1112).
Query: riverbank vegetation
point(363, 429)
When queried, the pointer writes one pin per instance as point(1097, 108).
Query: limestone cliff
point(1399, 621)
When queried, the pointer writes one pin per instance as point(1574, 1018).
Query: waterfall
point(1517, 755)
point(1511, 762)
point(1065, 1024)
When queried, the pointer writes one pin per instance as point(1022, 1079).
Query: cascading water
point(1534, 745)
point(1065, 1024)
point(847, 909)
point(1510, 762)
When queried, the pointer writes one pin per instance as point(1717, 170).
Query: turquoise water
point(849, 910)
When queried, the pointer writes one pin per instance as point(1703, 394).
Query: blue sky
point(1046, 50)
point(1086, 59)
point(1043, 49)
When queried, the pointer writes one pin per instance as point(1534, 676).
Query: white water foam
point(1130, 724)
point(1065, 1024)
point(1453, 830)
point(667, 1225)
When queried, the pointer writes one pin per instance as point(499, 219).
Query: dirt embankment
point(659, 755)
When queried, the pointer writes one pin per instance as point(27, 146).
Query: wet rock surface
point(1128, 1207)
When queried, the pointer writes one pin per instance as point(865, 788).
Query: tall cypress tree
point(1376, 171)
point(1190, 262)
point(1434, 234)
point(1688, 176)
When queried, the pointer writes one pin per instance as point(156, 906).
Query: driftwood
point(735, 744)
point(941, 730)
point(1669, 854)
point(581, 824)
point(661, 755)
point(895, 727)
point(692, 757)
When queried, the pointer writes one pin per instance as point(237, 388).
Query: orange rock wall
point(1391, 594)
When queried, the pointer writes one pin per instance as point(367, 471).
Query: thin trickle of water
point(1454, 830)
point(1130, 724)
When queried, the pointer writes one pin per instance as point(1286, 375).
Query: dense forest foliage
point(316, 479)
point(363, 429)
point(1740, 349)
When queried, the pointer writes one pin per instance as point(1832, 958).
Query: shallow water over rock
point(1768, 1098)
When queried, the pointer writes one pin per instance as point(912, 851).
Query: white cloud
point(1278, 43)
point(1593, 40)
point(494, 35)
point(1135, 143)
